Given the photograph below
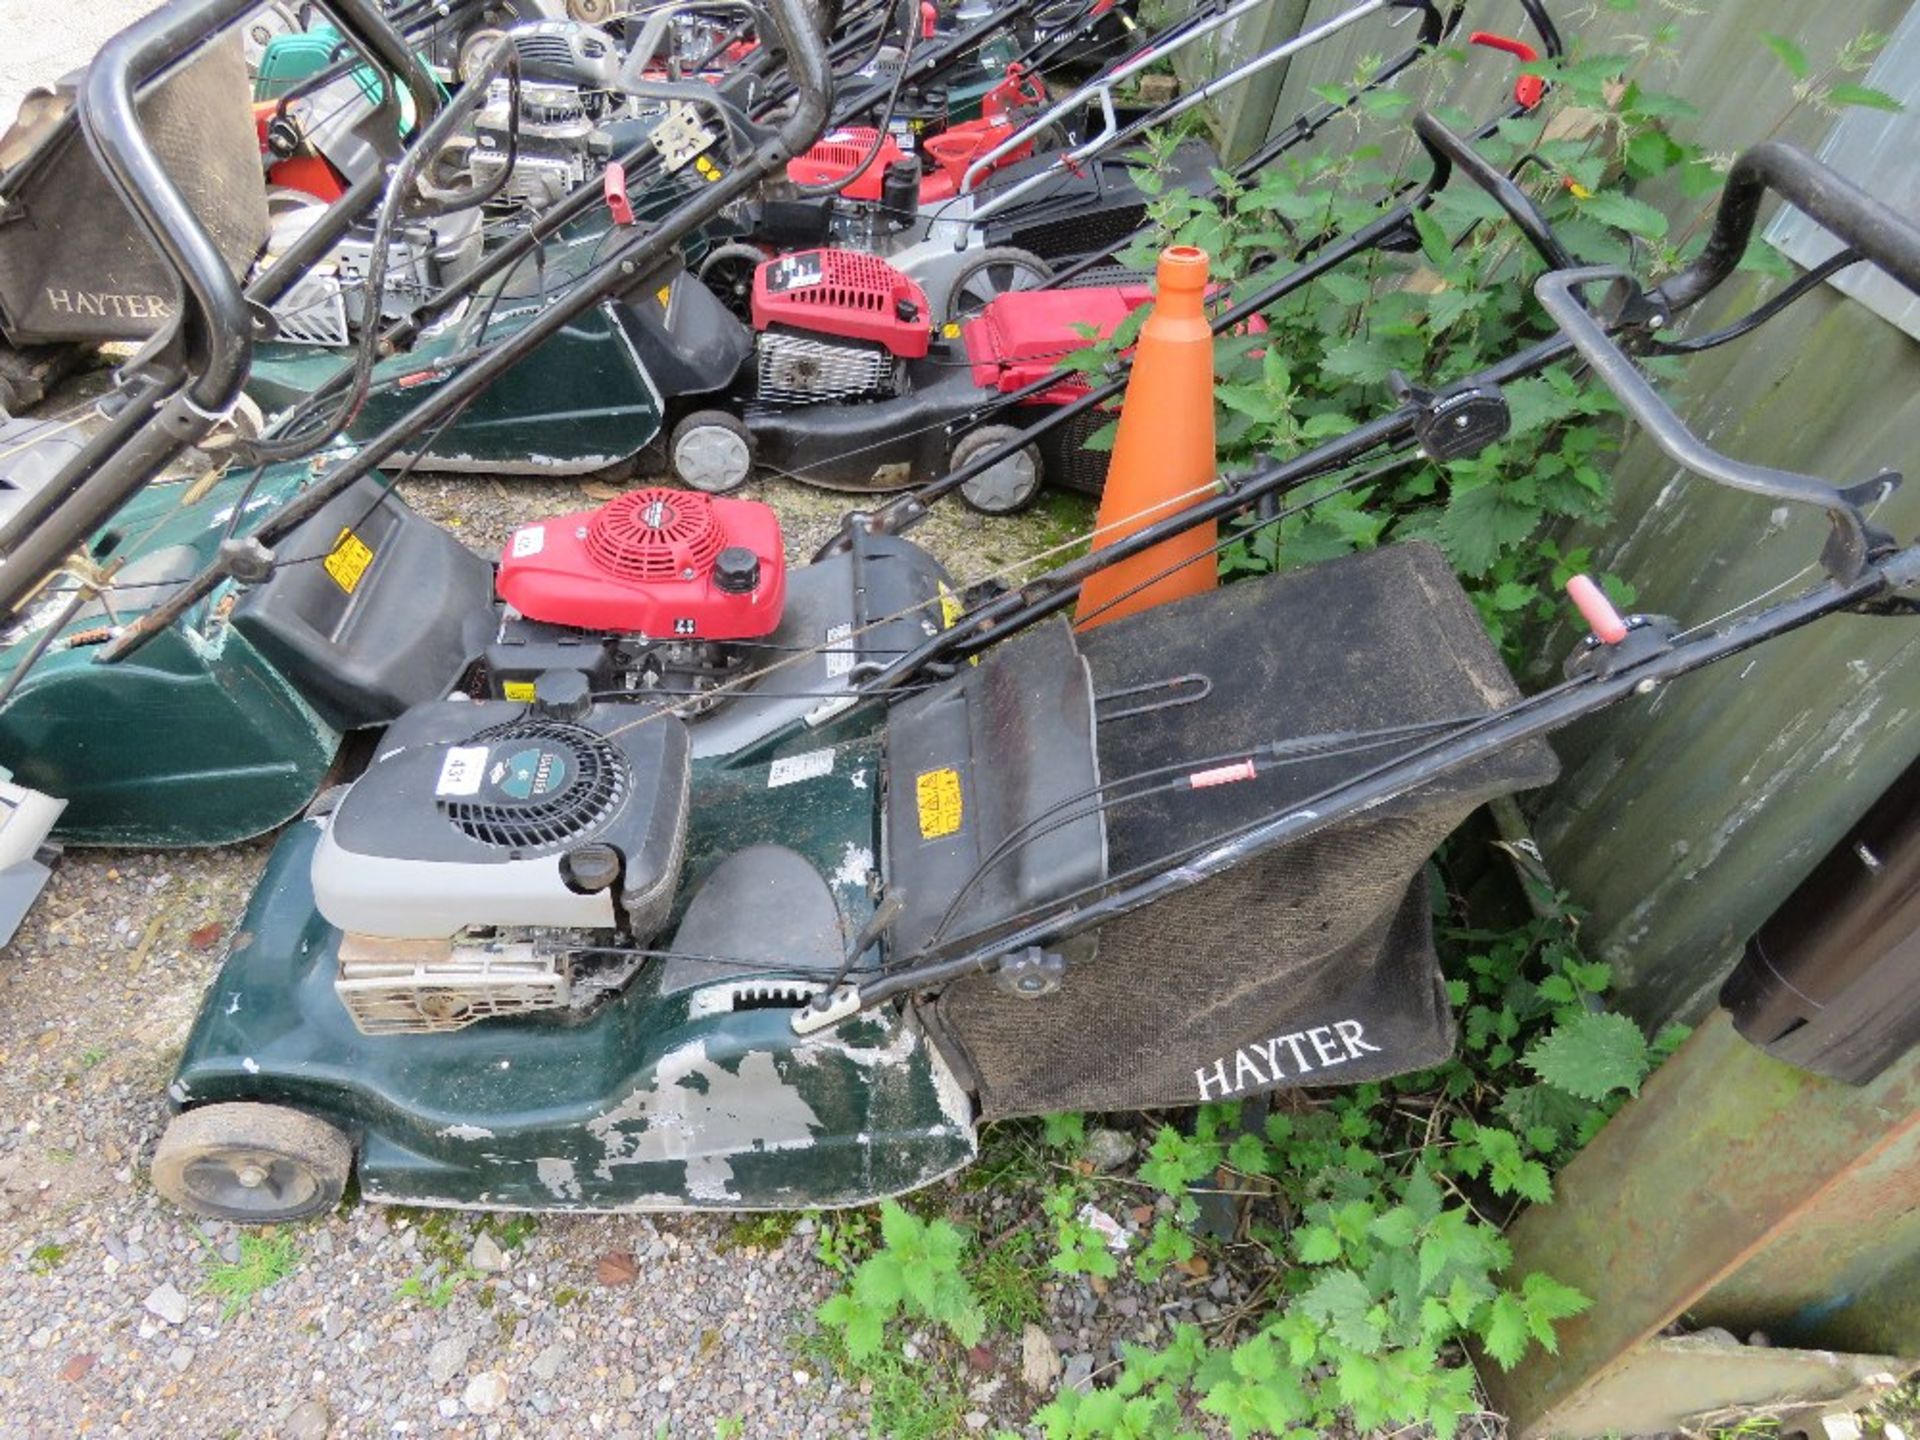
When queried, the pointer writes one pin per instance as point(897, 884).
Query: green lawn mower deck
point(228, 723)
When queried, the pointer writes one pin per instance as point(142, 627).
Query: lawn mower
point(260, 684)
point(561, 953)
point(75, 269)
point(988, 206)
point(268, 666)
point(450, 298)
point(835, 368)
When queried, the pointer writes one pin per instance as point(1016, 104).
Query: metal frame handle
point(1828, 198)
point(1558, 291)
point(199, 364)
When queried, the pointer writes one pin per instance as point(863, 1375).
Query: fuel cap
point(736, 570)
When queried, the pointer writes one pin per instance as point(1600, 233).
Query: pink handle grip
point(614, 186)
point(1596, 610)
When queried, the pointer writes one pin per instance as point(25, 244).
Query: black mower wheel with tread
point(258, 1164)
point(1005, 487)
point(995, 271)
point(728, 272)
point(711, 451)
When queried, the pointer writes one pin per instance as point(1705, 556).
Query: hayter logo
point(105, 302)
point(1265, 1061)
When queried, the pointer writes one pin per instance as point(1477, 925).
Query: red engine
point(1003, 110)
point(664, 564)
point(845, 293)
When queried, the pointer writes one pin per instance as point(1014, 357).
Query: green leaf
point(1434, 243)
point(1865, 96)
point(1651, 152)
point(1344, 288)
point(1248, 1154)
point(1505, 1331)
point(1547, 1300)
point(1316, 1245)
point(1340, 1299)
point(1396, 1227)
point(1790, 55)
point(1623, 212)
point(1066, 1131)
point(1591, 1056)
point(1365, 361)
point(1484, 521)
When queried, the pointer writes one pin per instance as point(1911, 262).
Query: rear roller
point(996, 271)
point(258, 1164)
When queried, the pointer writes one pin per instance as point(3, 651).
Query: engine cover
point(844, 293)
point(665, 564)
point(465, 817)
point(1021, 336)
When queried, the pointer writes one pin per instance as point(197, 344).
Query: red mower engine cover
point(846, 293)
point(664, 564)
point(838, 154)
point(1023, 336)
point(951, 152)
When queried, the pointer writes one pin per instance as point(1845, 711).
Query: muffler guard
point(1310, 965)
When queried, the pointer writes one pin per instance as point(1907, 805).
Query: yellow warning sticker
point(950, 331)
point(348, 560)
point(665, 296)
point(521, 690)
point(951, 610)
point(938, 794)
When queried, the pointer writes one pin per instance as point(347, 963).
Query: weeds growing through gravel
point(44, 1259)
point(265, 1260)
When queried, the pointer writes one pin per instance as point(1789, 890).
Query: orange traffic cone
point(1163, 453)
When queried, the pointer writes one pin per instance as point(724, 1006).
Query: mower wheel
point(258, 1164)
point(711, 451)
point(992, 273)
point(27, 375)
point(728, 272)
point(1003, 488)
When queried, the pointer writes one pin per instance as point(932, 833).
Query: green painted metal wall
point(1682, 819)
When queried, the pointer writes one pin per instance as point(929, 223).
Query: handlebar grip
point(1827, 198)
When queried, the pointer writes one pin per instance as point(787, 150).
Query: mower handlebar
point(1441, 139)
point(1828, 198)
point(195, 368)
point(213, 323)
point(1559, 293)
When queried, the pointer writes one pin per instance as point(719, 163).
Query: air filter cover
point(643, 564)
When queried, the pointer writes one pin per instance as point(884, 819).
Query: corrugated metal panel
point(1882, 152)
point(1682, 820)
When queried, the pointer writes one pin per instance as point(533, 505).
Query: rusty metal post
point(1738, 1192)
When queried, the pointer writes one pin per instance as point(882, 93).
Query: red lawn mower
point(850, 386)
